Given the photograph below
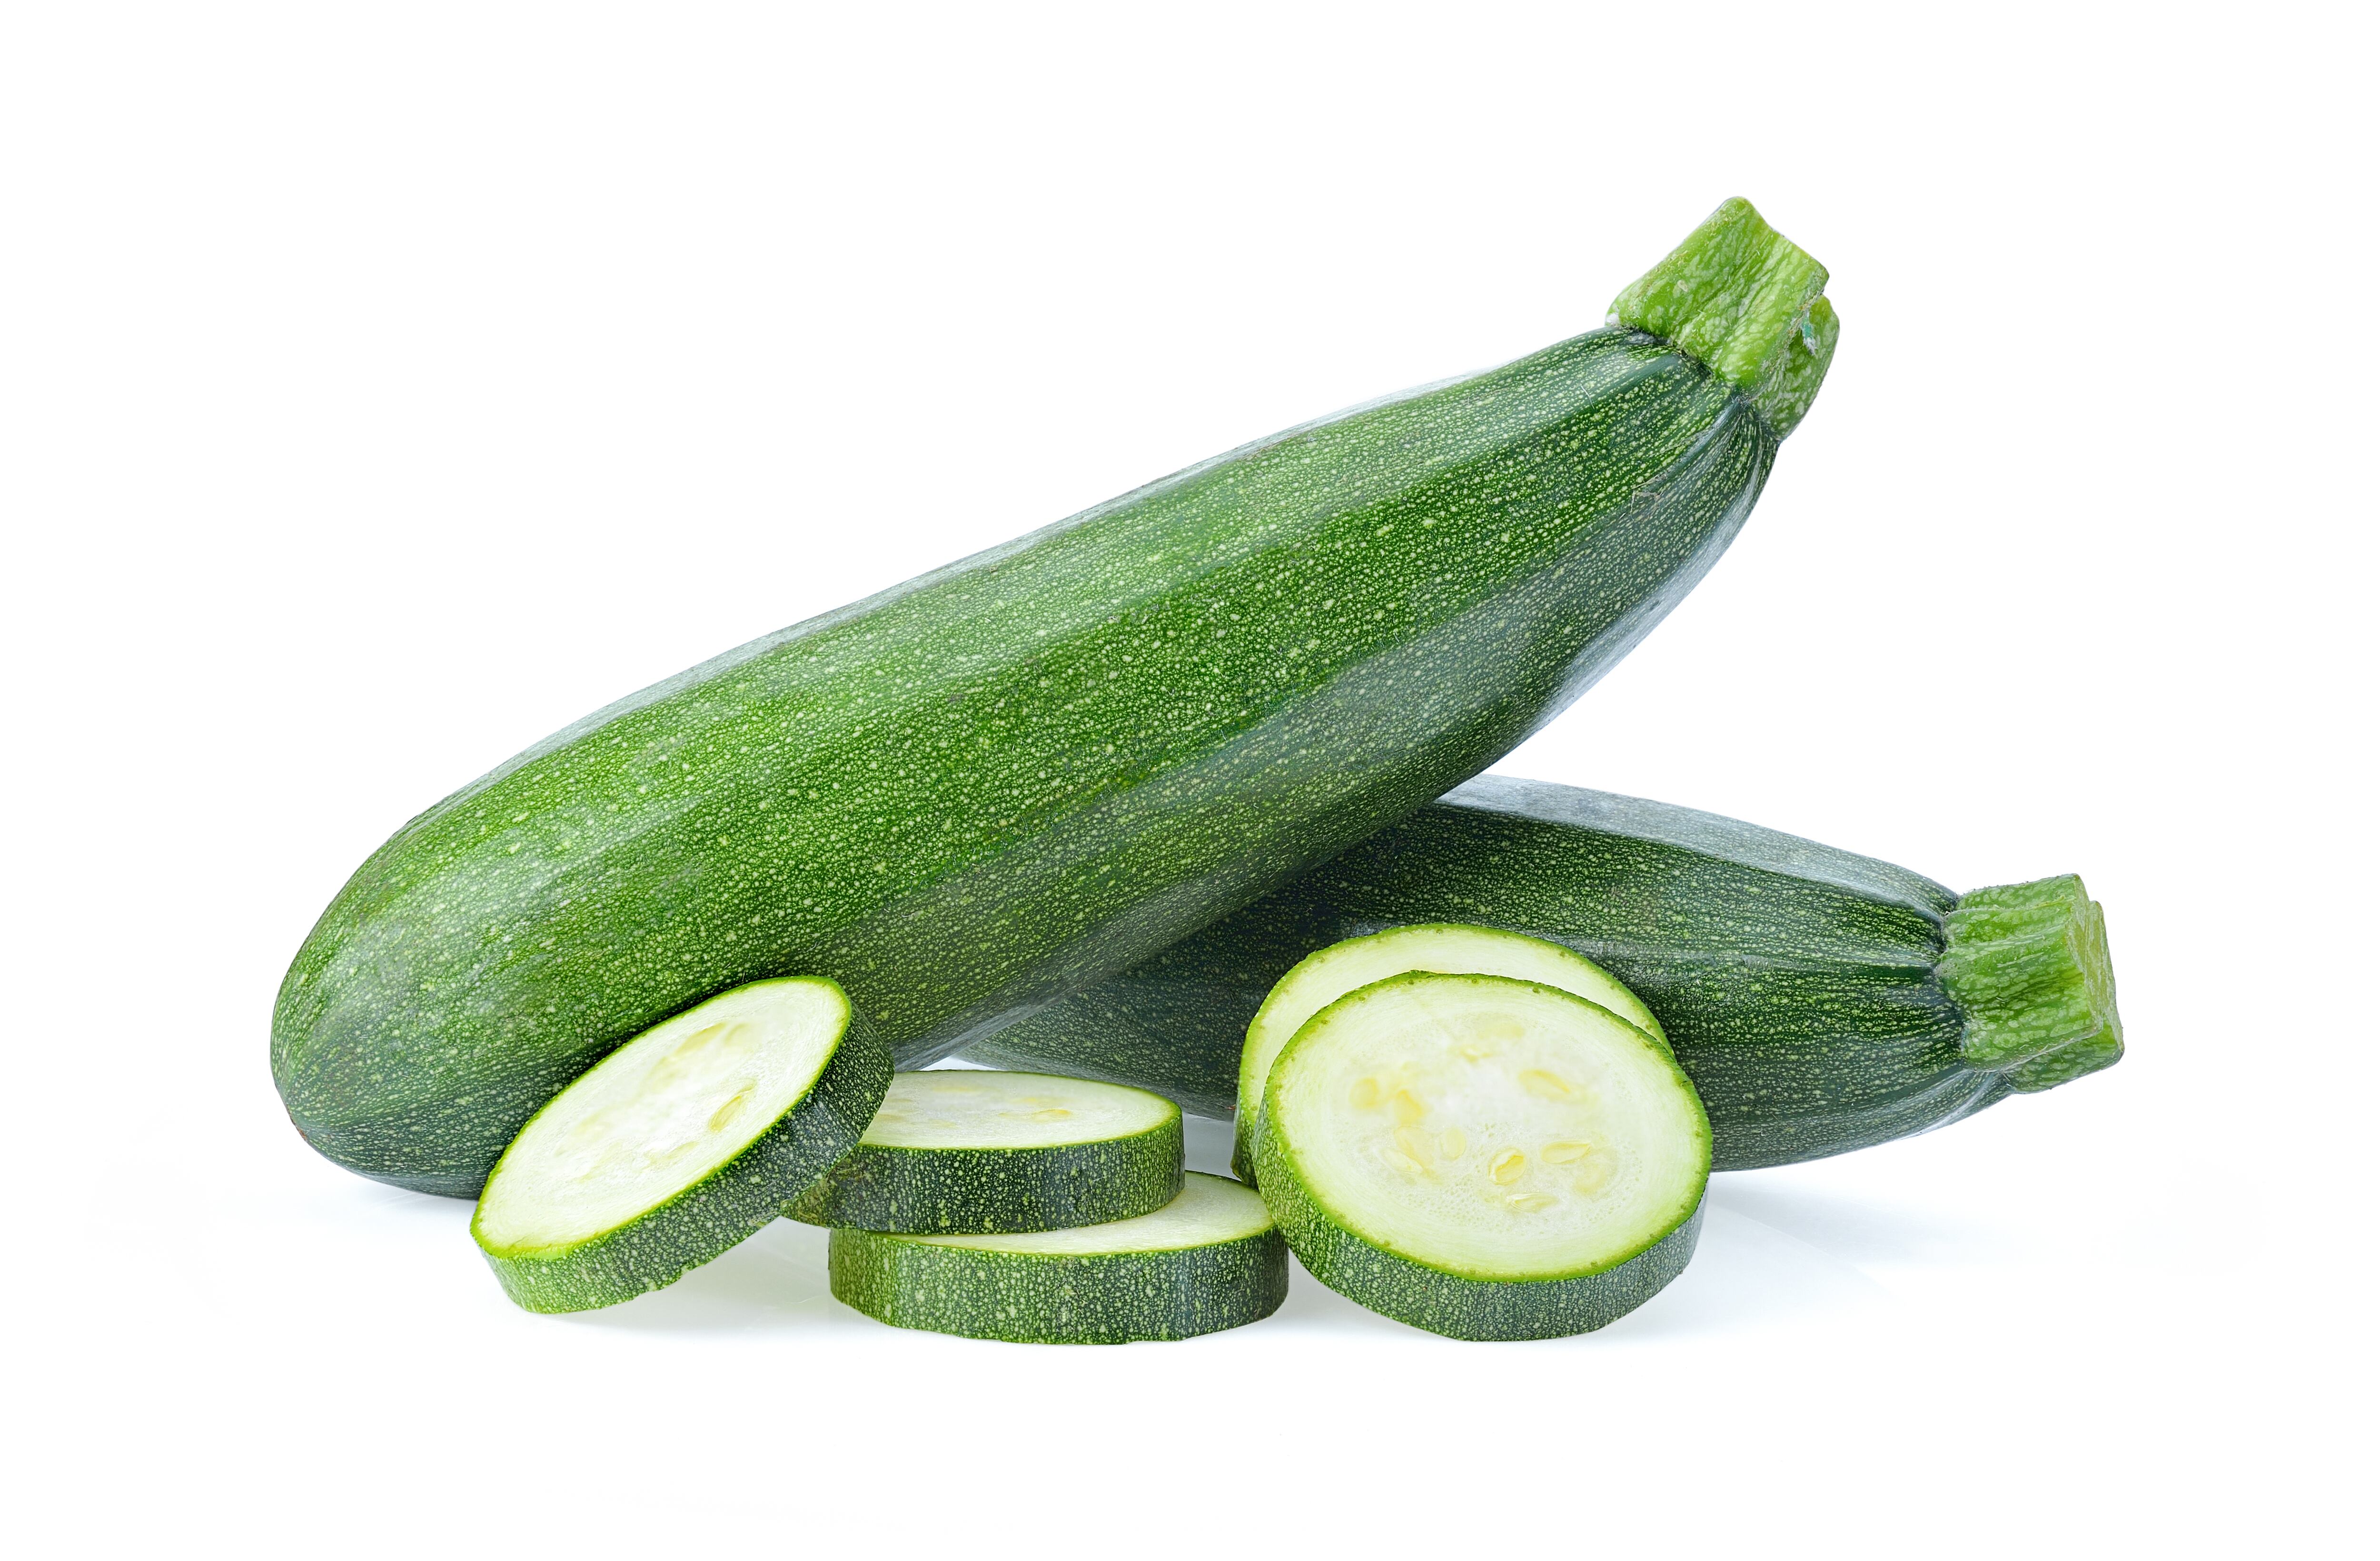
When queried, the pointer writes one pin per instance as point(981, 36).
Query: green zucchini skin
point(740, 1197)
point(1798, 984)
point(1019, 775)
point(1120, 1297)
point(958, 1192)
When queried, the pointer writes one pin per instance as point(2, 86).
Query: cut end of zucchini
point(1482, 1157)
point(679, 1144)
point(1747, 301)
point(1440, 947)
point(2027, 964)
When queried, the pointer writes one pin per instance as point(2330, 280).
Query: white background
point(382, 388)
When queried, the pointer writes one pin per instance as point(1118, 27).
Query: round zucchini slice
point(1446, 947)
point(959, 1150)
point(1210, 1259)
point(1482, 1157)
point(680, 1144)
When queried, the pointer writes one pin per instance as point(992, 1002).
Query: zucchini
point(1329, 974)
point(1482, 1157)
point(1820, 1001)
point(957, 1151)
point(1210, 1259)
point(1018, 775)
point(680, 1144)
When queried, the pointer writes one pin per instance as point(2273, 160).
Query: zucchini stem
point(2027, 964)
point(1747, 302)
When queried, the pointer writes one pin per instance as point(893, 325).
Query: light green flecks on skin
point(1748, 303)
point(2027, 963)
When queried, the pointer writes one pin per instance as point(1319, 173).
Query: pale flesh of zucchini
point(661, 1114)
point(1489, 1129)
point(968, 1108)
point(1447, 948)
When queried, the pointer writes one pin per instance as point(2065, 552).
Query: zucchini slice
point(680, 1144)
point(1445, 948)
point(1211, 1259)
point(957, 1150)
point(1482, 1157)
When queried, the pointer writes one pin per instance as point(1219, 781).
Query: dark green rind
point(742, 1195)
point(1453, 1304)
point(1796, 982)
point(1022, 773)
point(988, 1192)
point(1048, 1299)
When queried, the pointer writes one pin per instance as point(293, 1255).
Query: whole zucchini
point(1024, 771)
point(1820, 1001)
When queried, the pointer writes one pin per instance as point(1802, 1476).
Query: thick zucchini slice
point(1820, 1001)
point(680, 1144)
point(1446, 947)
point(957, 1150)
point(1018, 775)
point(1210, 1259)
point(1482, 1157)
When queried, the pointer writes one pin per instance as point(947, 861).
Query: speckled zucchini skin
point(959, 1191)
point(715, 1214)
point(1025, 772)
point(1050, 1299)
point(1453, 1304)
point(1796, 982)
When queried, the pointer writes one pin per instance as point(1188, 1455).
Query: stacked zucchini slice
point(1043, 1210)
point(1208, 1260)
point(997, 1205)
point(957, 1151)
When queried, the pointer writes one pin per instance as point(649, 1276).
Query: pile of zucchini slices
point(997, 1205)
point(1469, 1130)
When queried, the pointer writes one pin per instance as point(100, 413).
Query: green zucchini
point(957, 1151)
point(1820, 1001)
point(1482, 1157)
point(1004, 780)
point(1210, 1259)
point(1329, 974)
point(680, 1144)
